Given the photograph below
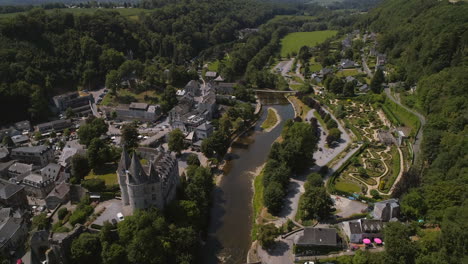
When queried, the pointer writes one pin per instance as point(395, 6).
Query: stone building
point(38, 185)
point(149, 185)
point(37, 155)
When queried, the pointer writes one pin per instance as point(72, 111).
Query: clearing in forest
point(294, 41)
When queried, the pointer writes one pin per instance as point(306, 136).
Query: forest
point(43, 54)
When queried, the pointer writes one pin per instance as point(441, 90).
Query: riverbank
point(272, 120)
point(229, 235)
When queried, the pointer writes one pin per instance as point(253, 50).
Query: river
point(231, 214)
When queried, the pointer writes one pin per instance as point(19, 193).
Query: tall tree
point(176, 141)
point(377, 80)
point(129, 135)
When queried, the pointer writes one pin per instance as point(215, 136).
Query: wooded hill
point(427, 41)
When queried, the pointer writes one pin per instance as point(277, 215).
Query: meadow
point(292, 42)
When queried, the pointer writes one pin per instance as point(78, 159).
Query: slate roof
point(371, 225)
point(355, 227)
point(205, 126)
point(20, 168)
point(51, 171)
point(60, 191)
point(318, 237)
point(139, 106)
point(34, 149)
point(8, 189)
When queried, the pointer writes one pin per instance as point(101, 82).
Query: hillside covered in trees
point(43, 54)
point(428, 43)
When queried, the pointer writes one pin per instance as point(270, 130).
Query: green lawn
point(346, 186)
point(347, 72)
point(213, 66)
point(107, 173)
point(294, 41)
point(125, 96)
point(314, 66)
point(131, 13)
point(270, 120)
point(402, 115)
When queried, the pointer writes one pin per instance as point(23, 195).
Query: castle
point(144, 186)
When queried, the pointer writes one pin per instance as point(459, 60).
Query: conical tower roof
point(136, 173)
point(153, 174)
point(124, 163)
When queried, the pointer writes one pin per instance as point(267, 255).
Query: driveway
point(112, 207)
point(422, 120)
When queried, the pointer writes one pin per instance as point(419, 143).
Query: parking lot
point(346, 207)
point(112, 208)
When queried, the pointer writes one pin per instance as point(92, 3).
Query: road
point(284, 66)
point(365, 67)
point(422, 120)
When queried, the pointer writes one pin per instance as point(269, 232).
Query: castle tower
point(124, 165)
point(136, 181)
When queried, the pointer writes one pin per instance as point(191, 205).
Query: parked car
point(120, 217)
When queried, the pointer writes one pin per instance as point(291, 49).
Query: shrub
point(62, 212)
point(94, 185)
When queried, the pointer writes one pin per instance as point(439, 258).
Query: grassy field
point(395, 170)
point(347, 72)
point(131, 13)
point(270, 120)
point(107, 173)
point(346, 186)
point(125, 96)
point(402, 116)
point(294, 41)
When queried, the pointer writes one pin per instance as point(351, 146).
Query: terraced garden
point(379, 165)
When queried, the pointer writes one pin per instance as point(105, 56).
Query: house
point(19, 170)
point(403, 133)
point(388, 210)
point(192, 87)
point(24, 126)
point(138, 111)
point(346, 43)
point(350, 79)
point(219, 79)
point(204, 130)
point(363, 228)
point(52, 171)
point(154, 184)
point(66, 156)
point(37, 185)
point(79, 103)
point(224, 88)
point(381, 60)
point(10, 132)
point(4, 154)
point(385, 137)
point(318, 238)
point(4, 166)
point(57, 125)
point(12, 195)
point(210, 74)
point(13, 230)
point(20, 139)
point(37, 155)
point(59, 195)
point(325, 71)
point(347, 64)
